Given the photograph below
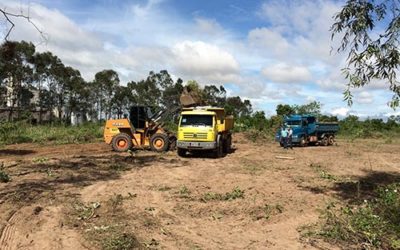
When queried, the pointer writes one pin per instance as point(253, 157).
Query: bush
point(4, 177)
point(372, 224)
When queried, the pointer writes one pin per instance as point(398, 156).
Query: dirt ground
point(86, 196)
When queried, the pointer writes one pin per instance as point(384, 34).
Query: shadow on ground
point(32, 181)
point(16, 152)
point(364, 187)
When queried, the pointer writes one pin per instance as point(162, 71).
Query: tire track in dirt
point(8, 232)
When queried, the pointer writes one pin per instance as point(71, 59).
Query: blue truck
point(308, 131)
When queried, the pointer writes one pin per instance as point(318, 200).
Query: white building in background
point(10, 95)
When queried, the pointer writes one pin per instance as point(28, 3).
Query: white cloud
point(364, 98)
point(208, 26)
point(270, 41)
point(205, 61)
point(284, 73)
point(342, 112)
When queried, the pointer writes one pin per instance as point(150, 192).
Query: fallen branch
point(284, 157)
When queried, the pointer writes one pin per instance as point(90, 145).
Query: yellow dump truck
point(204, 129)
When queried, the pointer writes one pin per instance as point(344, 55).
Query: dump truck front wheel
point(121, 142)
point(159, 142)
point(182, 152)
point(219, 151)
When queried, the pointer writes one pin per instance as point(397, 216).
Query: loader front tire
point(121, 142)
point(159, 142)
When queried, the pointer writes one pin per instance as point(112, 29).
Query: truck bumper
point(196, 145)
point(296, 139)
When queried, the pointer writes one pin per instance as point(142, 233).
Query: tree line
point(39, 82)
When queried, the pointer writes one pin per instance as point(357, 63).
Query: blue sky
point(270, 52)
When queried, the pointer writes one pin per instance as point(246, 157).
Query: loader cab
point(138, 115)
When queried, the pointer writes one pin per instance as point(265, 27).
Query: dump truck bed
point(326, 127)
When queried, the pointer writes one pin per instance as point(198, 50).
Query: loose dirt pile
point(88, 197)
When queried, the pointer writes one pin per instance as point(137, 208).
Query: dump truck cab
point(204, 128)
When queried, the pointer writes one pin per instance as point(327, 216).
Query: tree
point(284, 110)
point(238, 108)
point(145, 92)
point(121, 100)
point(42, 70)
point(16, 60)
point(105, 84)
point(369, 31)
point(214, 96)
point(313, 107)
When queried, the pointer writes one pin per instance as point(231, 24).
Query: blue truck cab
point(306, 130)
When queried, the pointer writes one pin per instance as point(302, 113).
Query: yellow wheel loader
point(144, 130)
point(141, 131)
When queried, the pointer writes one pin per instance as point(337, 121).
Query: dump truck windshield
point(293, 123)
point(197, 120)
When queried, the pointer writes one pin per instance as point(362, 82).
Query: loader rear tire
point(159, 142)
point(121, 142)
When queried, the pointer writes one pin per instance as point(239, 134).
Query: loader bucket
point(188, 99)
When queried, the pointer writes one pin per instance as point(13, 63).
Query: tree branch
point(8, 16)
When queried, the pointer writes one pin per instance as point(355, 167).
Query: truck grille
point(195, 135)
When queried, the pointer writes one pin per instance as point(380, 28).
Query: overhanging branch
point(8, 17)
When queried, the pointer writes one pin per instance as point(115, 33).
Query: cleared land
point(85, 196)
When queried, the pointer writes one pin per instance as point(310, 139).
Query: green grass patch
point(20, 132)
point(120, 242)
point(184, 192)
point(236, 193)
point(373, 224)
point(4, 177)
point(323, 174)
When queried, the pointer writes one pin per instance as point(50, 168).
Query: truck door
point(304, 126)
point(311, 125)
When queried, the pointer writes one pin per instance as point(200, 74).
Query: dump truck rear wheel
point(331, 140)
point(325, 141)
point(159, 142)
point(121, 142)
point(182, 152)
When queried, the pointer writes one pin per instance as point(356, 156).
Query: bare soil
point(83, 196)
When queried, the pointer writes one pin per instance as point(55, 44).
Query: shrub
point(372, 224)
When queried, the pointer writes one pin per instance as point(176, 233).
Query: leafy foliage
point(4, 176)
point(373, 224)
point(369, 33)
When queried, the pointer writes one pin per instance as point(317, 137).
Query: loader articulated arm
point(187, 99)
